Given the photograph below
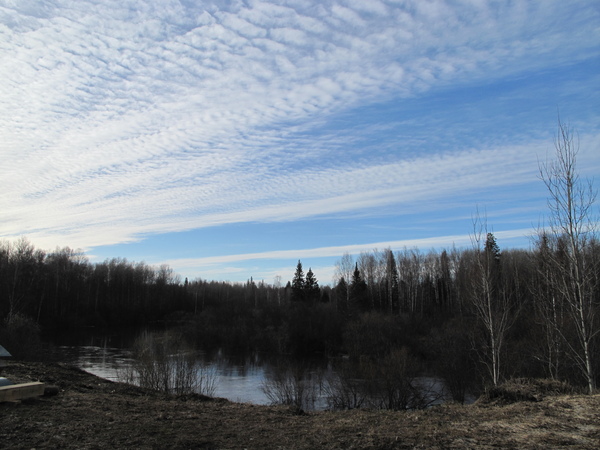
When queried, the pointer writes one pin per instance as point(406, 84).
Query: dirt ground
point(92, 413)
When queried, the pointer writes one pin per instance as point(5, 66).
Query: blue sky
point(229, 139)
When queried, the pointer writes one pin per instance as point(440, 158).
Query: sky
point(230, 139)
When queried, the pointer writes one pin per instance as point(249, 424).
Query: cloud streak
point(224, 264)
point(120, 120)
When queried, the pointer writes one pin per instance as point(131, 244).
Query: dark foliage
point(409, 300)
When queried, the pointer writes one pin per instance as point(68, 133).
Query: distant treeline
point(433, 304)
point(63, 289)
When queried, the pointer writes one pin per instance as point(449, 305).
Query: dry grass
point(94, 413)
point(527, 389)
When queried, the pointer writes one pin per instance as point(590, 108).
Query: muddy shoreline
point(92, 413)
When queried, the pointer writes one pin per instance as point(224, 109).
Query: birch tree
point(491, 304)
point(573, 231)
point(344, 269)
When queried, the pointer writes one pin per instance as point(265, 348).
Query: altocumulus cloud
point(121, 119)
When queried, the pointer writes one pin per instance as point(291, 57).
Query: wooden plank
point(16, 392)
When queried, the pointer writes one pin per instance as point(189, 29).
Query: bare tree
point(343, 269)
point(550, 309)
point(391, 277)
point(380, 277)
point(410, 265)
point(572, 231)
point(491, 303)
point(277, 288)
point(367, 265)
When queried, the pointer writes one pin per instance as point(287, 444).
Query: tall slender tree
point(491, 304)
point(343, 269)
point(549, 308)
point(359, 294)
point(298, 283)
point(573, 230)
point(391, 278)
point(311, 287)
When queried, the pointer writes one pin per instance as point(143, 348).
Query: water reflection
point(105, 362)
point(239, 378)
point(242, 377)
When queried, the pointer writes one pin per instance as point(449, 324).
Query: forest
point(475, 316)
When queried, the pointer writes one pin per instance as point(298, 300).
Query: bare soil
point(92, 413)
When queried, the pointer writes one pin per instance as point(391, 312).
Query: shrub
point(166, 363)
point(526, 389)
point(293, 385)
point(346, 388)
point(20, 335)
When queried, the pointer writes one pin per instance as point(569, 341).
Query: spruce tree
point(311, 287)
point(298, 283)
point(341, 295)
point(358, 291)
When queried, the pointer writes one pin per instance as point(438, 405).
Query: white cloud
point(122, 119)
point(224, 264)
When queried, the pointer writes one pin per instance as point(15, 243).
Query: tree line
point(474, 316)
point(62, 288)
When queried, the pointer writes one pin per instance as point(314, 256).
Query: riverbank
point(90, 412)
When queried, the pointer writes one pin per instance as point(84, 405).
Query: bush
point(20, 335)
point(346, 388)
point(389, 382)
point(454, 359)
point(293, 385)
point(393, 381)
point(526, 389)
point(166, 363)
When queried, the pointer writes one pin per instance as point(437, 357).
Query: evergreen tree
point(358, 291)
point(298, 283)
point(341, 294)
point(311, 287)
point(492, 250)
point(492, 261)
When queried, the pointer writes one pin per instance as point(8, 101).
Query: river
point(239, 378)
